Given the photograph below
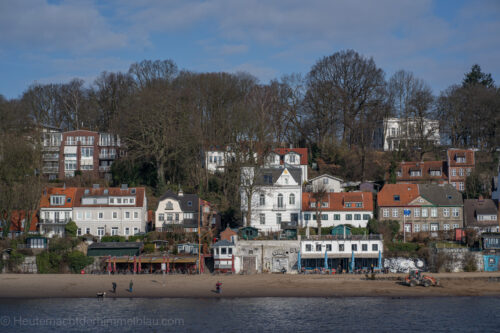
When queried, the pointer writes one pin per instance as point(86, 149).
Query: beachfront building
point(274, 195)
point(56, 209)
point(481, 215)
point(115, 211)
point(421, 207)
point(354, 208)
point(223, 255)
point(344, 254)
point(266, 256)
point(325, 182)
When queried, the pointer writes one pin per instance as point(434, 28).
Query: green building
point(114, 249)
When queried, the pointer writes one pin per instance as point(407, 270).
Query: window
point(394, 212)
point(210, 159)
point(136, 215)
point(188, 216)
point(229, 250)
point(416, 227)
point(112, 200)
point(127, 215)
point(359, 205)
point(88, 215)
point(100, 231)
point(446, 212)
point(407, 227)
point(364, 247)
point(119, 200)
point(328, 247)
point(262, 199)
point(87, 152)
point(453, 172)
point(114, 231)
point(223, 250)
point(385, 212)
point(324, 217)
point(434, 226)
point(87, 231)
point(396, 198)
point(341, 247)
point(415, 173)
point(324, 204)
point(79, 215)
point(170, 217)
point(456, 226)
point(348, 216)
point(100, 215)
point(446, 227)
point(57, 200)
point(127, 231)
point(366, 217)
point(136, 230)
point(357, 217)
point(425, 212)
point(416, 212)
point(132, 200)
point(177, 217)
point(278, 218)
point(461, 172)
point(286, 180)
point(318, 247)
point(161, 217)
point(374, 247)
point(262, 218)
point(434, 212)
point(79, 231)
point(307, 216)
point(292, 158)
point(354, 247)
point(425, 227)
point(461, 186)
point(455, 212)
point(125, 200)
point(312, 204)
point(348, 204)
point(325, 181)
point(280, 200)
point(190, 203)
point(336, 217)
point(115, 215)
point(308, 247)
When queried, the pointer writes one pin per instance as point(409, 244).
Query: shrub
point(61, 245)
point(149, 248)
point(115, 238)
point(70, 228)
point(78, 261)
point(15, 259)
point(48, 262)
point(402, 247)
point(470, 264)
point(135, 238)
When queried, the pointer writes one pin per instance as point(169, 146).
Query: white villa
point(393, 132)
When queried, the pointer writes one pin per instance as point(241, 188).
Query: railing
point(50, 148)
point(105, 168)
point(50, 157)
point(54, 221)
point(279, 207)
point(107, 156)
point(347, 237)
point(50, 169)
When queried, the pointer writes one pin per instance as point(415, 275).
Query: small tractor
point(416, 278)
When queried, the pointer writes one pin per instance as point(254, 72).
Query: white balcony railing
point(107, 156)
point(279, 207)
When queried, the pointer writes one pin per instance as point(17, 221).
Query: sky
point(49, 41)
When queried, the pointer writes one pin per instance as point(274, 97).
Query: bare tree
point(320, 196)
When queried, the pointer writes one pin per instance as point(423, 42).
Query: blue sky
point(54, 41)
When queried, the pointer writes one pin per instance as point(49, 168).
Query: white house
point(288, 157)
point(111, 211)
point(354, 208)
point(56, 209)
point(393, 132)
point(276, 196)
point(223, 254)
point(328, 182)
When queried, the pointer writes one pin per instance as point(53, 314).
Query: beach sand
point(259, 285)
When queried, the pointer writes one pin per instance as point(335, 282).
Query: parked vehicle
point(417, 278)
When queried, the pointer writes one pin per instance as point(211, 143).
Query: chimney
point(180, 192)
point(124, 186)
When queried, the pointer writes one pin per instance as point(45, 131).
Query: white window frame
point(385, 212)
point(100, 215)
point(395, 212)
point(416, 212)
point(434, 212)
point(114, 215)
point(446, 212)
point(455, 212)
point(425, 212)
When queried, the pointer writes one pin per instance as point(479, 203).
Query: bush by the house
point(78, 261)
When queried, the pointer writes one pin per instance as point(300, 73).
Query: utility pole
point(199, 236)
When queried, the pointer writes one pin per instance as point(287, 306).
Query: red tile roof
point(406, 192)
point(69, 192)
point(425, 167)
point(17, 221)
point(336, 201)
point(469, 157)
point(301, 151)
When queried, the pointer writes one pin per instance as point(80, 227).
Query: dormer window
point(415, 173)
point(292, 158)
point(268, 179)
point(57, 200)
point(460, 159)
point(190, 203)
point(397, 198)
point(169, 206)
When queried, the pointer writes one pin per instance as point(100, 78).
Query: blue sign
point(407, 212)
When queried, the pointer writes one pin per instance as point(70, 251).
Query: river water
point(358, 314)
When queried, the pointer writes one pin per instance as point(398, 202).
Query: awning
point(154, 260)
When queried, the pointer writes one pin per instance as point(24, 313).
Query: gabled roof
point(467, 153)
point(441, 195)
point(69, 192)
point(223, 243)
point(183, 200)
point(406, 193)
point(336, 201)
point(327, 176)
point(426, 167)
point(475, 207)
point(301, 151)
point(276, 173)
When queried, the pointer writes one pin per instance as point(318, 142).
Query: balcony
point(107, 156)
point(50, 169)
point(279, 207)
point(51, 157)
point(50, 148)
point(105, 168)
point(54, 221)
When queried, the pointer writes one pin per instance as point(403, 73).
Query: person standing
point(131, 284)
point(114, 287)
point(218, 287)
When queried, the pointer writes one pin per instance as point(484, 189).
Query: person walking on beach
point(131, 284)
point(218, 286)
point(114, 287)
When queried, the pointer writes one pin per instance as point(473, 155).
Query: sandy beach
point(265, 285)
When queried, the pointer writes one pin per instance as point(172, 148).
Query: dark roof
point(223, 243)
point(474, 207)
point(276, 173)
point(441, 195)
point(183, 199)
point(115, 245)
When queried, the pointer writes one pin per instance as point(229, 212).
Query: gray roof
point(441, 195)
point(184, 200)
point(275, 173)
point(116, 245)
point(474, 207)
point(223, 243)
